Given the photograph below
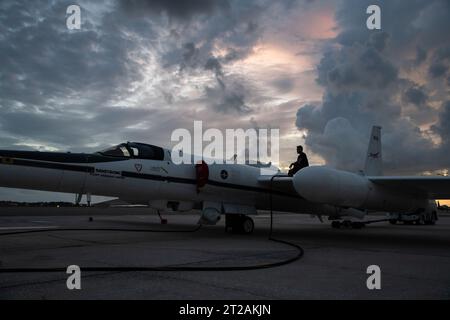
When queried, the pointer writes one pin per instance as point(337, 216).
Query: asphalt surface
point(414, 260)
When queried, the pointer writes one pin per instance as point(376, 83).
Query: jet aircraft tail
point(374, 165)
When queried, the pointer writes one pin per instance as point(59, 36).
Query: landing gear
point(418, 218)
point(239, 223)
point(357, 225)
point(347, 224)
point(336, 224)
point(420, 221)
point(248, 225)
point(431, 220)
point(161, 219)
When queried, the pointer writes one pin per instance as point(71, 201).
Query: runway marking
point(32, 227)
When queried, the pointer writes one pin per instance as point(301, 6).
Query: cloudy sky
point(137, 70)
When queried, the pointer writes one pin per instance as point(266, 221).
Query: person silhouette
point(302, 162)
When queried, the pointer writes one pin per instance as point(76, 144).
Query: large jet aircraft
point(145, 174)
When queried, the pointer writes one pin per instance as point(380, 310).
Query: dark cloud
point(72, 130)
point(213, 64)
point(309, 117)
point(190, 52)
point(368, 69)
point(235, 31)
point(168, 97)
point(421, 55)
point(363, 79)
point(415, 95)
point(438, 70)
point(228, 95)
point(378, 40)
point(178, 9)
point(44, 61)
point(440, 62)
point(227, 100)
point(284, 84)
point(55, 81)
point(442, 127)
point(56, 84)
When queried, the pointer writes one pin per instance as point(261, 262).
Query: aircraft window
point(135, 151)
point(145, 151)
point(116, 151)
point(125, 151)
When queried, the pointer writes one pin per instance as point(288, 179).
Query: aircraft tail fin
point(374, 161)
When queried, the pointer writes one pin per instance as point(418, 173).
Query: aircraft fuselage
point(143, 181)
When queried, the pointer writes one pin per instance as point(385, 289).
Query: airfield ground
point(414, 260)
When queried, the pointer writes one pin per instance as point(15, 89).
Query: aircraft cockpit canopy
point(134, 150)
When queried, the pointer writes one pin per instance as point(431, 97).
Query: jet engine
point(320, 184)
point(210, 213)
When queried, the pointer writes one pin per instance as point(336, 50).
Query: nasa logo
point(138, 167)
point(223, 174)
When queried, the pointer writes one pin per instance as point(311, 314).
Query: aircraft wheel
point(432, 219)
point(420, 221)
point(357, 225)
point(347, 224)
point(336, 224)
point(240, 224)
point(247, 225)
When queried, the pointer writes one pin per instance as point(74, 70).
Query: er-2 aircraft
point(140, 173)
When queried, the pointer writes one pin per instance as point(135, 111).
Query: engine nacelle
point(345, 189)
point(210, 213)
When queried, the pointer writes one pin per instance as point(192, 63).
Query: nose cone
point(6, 156)
point(9, 154)
point(4, 153)
point(7, 171)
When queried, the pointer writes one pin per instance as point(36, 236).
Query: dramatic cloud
point(136, 70)
point(384, 78)
point(442, 127)
point(178, 9)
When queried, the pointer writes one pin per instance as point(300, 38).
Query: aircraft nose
point(6, 173)
point(4, 155)
point(7, 155)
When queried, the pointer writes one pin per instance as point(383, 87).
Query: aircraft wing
point(433, 187)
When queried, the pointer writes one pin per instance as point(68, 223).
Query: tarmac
point(414, 260)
